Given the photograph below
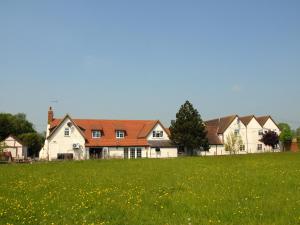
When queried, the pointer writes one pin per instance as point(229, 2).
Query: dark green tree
point(286, 135)
point(297, 136)
point(14, 124)
point(34, 142)
point(20, 127)
point(188, 130)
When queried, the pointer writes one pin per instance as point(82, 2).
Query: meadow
point(247, 189)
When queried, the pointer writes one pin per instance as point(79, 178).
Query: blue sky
point(143, 59)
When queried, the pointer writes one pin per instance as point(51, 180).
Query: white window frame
point(157, 134)
point(126, 153)
point(259, 147)
point(67, 132)
point(120, 134)
point(96, 133)
point(138, 152)
point(242, 148)
point(132, 153)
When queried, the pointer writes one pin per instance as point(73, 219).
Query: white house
point(17, 149)
point(249, 128)
point(69, 138)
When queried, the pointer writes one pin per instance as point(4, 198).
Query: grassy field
point(251, 189)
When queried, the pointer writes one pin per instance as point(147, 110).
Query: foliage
point(20, 127)
point(286, 135)
point(14, 124)
point(188, 130)
point(297, 132)
point(270, 138)
point(195, 190)
point(34, 142)
point(233, 143)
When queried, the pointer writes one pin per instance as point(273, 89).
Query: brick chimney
point(50, 115)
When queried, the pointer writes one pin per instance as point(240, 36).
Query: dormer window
point(157, 134)
point(96, 133)
point(120, 134)
point(67, 132)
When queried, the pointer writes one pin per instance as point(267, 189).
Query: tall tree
point(14, 124)
point(286, 135)
point(270, 138)
point(188, 130)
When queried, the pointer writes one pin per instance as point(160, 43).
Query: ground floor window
point(139, 153)
point(242, 147)
point(64, 156)
point(125, 153)
point(96, 153)
point(259, 146)
point(132, 153)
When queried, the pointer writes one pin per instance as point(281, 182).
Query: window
point(64, 156)
point(259, 146)
point(242, 148)
point(125, 153)
point(132, 153)
point(139, 153)
point(120, 134)
point(67, 132)
point(96, 134)
point(236, 132)
point(157, 134)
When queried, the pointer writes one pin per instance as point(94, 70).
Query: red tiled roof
point(136, 131)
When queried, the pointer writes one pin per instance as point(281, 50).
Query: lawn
point(248, 189)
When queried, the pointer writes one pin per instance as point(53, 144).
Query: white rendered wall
point(59, 143)
point(253, 136)
point(157, 128)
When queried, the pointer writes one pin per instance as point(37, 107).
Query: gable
point(59, 129)
point(158, 128)
point(254, 123)
point(13, 141)
point(271, 125)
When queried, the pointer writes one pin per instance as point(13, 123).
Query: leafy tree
point(286, 135)
point(270, 138)
point(34, 142)
point(20, 127)
point(233, 143)
point(188, 130)
point(14, 124)
point(297, 132)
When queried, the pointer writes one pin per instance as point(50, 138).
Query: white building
point(69, 138)
point(17, 149)
point(248, 128)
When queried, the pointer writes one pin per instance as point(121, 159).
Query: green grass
point(251, 189)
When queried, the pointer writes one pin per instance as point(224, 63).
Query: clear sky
point(143, 59)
